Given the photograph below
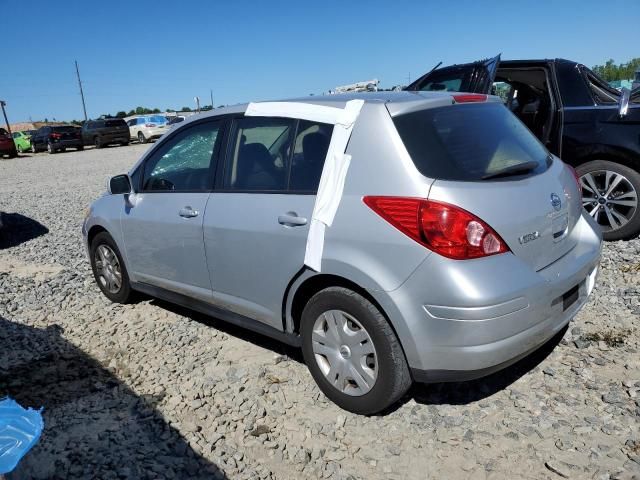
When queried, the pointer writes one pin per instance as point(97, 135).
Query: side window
point(141, 121)
point(260, 152)
point(311, 145)
point(184, 162)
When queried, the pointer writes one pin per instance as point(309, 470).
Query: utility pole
point(4, 104)
point(197, 100)
point(84, 107)
point(211, 93)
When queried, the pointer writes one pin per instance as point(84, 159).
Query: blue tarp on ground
point(20, 429)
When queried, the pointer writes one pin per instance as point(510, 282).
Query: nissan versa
point(459, 244)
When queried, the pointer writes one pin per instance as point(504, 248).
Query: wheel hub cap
point(108, 269)
point(344, 352)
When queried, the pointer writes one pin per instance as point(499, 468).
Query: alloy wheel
point(108, 269)
point(345, 353)
point(609, 197)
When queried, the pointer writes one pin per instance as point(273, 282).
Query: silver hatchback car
point(458, 246)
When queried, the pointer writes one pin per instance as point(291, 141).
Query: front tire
point(610, 195)
point(352, 352)
point(33, 148)
point(109, 269)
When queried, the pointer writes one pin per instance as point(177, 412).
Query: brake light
point(443, 228)
point(149, 124)
point(470, 98)
point(55, 135)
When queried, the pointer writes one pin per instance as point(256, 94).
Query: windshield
point(470, 142)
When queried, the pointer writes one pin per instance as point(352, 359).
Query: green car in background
point(23, 140)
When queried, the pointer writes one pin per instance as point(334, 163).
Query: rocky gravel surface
point(155, 391)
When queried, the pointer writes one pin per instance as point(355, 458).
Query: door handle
point(291, 219)
point(188, 212)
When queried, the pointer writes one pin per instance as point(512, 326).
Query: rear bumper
point(71, 143)
point(463, 320)
point(120, 137)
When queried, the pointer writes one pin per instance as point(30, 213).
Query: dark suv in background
point(577, 116)
point(105, 132)
point(56, 139)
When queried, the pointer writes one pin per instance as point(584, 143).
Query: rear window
point(63, 129)
point(470, 142)
point(115, 123)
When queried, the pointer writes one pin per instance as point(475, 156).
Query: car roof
point(396, 102)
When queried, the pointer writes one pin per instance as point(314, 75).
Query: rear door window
point(260, 153)
point(310, 150)
point(470, 142)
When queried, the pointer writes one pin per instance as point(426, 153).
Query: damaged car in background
point(577, 116)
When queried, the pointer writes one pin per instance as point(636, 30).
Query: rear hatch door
point(484, 160)
point(475, 77)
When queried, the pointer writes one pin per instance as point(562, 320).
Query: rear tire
point(103, 275)
point(141, 138)
point(33, 148)
point(50, 148)
point(628, 188)
point(81, 147)
point(388, 373)
point(97, 142)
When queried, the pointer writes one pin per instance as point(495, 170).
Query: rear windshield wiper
point(511, 170)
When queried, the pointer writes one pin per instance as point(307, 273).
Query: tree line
point(611, 71)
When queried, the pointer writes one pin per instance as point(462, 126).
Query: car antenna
point(439, 63)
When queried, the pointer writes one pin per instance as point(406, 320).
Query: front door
point(162, 229)
point(257, 221)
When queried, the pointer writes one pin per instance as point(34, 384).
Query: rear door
point(476, 77)
point(163, 229)
point(257, 221)
point(487, 162)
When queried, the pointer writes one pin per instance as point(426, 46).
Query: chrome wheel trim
point(108, 269)
point(345, 353)
point(609, 197)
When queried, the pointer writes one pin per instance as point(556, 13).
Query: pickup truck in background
point(577, 116)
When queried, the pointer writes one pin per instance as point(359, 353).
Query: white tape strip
point(336, 162)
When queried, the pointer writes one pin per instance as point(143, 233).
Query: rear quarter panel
point(360, 245)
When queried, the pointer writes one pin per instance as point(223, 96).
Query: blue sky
point(162, 53)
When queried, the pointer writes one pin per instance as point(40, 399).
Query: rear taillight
point(149, 124)
point(470, 98)
point(443, 228)
point(55, 135)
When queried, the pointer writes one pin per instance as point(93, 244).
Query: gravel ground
point(155, 391)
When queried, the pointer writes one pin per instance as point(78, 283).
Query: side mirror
point(120, 184)
point(623, 106)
